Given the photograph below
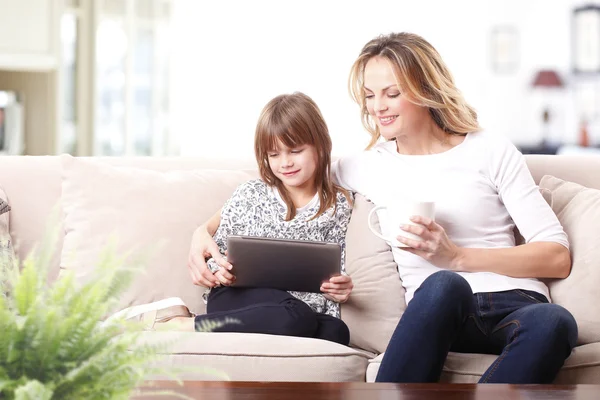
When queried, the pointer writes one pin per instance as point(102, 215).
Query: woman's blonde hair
point(421, 75)
point(295, 120)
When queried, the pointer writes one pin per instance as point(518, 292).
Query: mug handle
point(379, 235)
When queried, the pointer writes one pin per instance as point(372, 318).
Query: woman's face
point(390, 109)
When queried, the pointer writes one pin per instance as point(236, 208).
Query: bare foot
point(181, 324)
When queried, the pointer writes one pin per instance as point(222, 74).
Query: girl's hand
point(338, 288)
point(436, 247)
point(204, 246)
point(224, 276)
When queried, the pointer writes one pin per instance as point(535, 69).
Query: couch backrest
point(33, 184)
point(33, 187)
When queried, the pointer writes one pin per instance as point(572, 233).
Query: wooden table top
point(358, 390)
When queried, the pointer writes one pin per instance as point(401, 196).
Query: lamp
point(547, 79)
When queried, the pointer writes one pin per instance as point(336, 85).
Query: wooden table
point(378, 391)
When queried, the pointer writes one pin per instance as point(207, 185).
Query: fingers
point(214, 252)
point(412, 243)
point(337, 297)
point(338, 286)
point(427, 222)
point(419, 230)
point(336, 291)
point(340, 279)
point(200, 273)
point(225, 277)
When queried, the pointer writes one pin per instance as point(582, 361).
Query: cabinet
point(29, 35)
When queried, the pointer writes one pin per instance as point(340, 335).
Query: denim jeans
point(532, 337)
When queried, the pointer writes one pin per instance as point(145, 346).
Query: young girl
point(294, 199)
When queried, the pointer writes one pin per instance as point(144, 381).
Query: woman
point(468, 287)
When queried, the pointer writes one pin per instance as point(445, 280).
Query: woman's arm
point(531, 260)
point(538, 259)
point(546, 252)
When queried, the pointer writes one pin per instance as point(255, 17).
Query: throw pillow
point(377, 300)
point(578, 210)
point(149, 213)
point(7, 254)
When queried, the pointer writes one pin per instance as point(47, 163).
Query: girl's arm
point(204, 246)
point(339, 287)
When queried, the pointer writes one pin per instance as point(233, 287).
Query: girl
point(294, 199)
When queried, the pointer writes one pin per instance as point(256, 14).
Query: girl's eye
point(272, 155)
point(297, 151)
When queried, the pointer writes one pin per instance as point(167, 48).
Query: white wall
point(232, 56)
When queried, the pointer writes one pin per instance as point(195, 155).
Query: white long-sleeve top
point(481, 187)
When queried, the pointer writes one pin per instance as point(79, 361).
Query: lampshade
point(547, 78)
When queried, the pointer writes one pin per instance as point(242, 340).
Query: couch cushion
point(377, 300)
point(578, 210)
point(150, 213)
point(258, 357)
point(582, 367)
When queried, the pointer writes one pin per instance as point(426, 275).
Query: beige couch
point(153, 205)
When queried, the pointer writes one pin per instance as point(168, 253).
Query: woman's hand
point(338, 288)
point(203, 246)
point(436, 247)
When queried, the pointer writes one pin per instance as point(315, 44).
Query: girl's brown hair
point(422, 75)
point(295, 120)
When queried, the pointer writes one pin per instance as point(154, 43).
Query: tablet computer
point(297, 265)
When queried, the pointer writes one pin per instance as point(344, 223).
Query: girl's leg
point(332, 329)
point(257, 310)
point(431, 322)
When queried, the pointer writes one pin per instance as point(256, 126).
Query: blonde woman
point(469, 288)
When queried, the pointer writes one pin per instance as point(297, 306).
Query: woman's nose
point(380, 105)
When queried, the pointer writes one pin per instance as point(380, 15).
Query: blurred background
point(190, 77)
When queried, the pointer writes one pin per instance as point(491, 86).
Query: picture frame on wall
point(586, 39)
point(504, 49)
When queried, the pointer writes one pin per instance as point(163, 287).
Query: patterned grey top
point(256, 209)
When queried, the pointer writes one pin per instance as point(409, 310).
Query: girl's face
point(390, 109)
point(295, 167)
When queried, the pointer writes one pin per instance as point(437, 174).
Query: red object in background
point(547, 78)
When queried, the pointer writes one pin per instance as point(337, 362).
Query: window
point(127, 69)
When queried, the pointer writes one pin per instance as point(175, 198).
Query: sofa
point(149, 207)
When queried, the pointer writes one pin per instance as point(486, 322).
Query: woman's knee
point(446, 287)
point(555, 323)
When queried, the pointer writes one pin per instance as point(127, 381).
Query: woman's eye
point(393, 96)
point(369, 96)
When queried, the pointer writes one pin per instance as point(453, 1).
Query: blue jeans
point(532, 337)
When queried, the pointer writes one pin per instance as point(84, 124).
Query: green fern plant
point(52, 343)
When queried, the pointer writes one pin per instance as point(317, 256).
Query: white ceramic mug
point(398, 215)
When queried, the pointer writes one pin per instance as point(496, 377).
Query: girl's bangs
point(274, 134)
